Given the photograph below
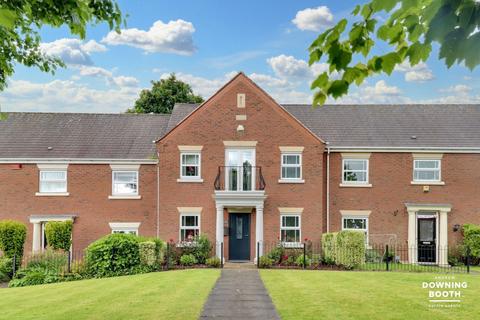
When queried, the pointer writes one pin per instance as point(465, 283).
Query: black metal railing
point(239, 178)
point(374, 257)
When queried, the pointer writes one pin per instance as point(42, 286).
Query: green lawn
point(342, 295)
point(162, 295)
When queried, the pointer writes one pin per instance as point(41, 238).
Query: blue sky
point(205, 43)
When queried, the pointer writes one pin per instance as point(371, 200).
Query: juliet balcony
point(244, 178)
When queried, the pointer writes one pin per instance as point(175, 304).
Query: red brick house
point(241, 169)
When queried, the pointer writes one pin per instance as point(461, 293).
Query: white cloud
point(65, 96)
point(288, 67)
point(458, 89)
point(314, 19)
point(417, 73)
point(72, 51)
point(265, 80)
point(172, 37)
point(380, 92)
point(121, 81)
point(382, 88)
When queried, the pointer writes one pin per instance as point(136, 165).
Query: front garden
point(112, 255)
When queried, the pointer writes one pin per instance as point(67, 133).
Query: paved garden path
point(239, 294)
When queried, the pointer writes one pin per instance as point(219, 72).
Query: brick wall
point(89, 187)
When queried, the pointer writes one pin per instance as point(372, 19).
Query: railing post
point(258, 254)
point(221, 258)
point(304, 257)
point(468, 259)
point(168, 256)
point(14, 264)
point(387, 258)
point(69, 268)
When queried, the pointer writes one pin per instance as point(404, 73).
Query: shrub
point(276, 254)
point(148, 254)
point(59, 234)
point(6, 269)
point(49, 260)
point(471, 239)
point(300, 261)
point(265, 262)
point(350, 249)
point(213, 262)
point(114, 254)
point(34, 276)
point(12, 239)
point(188, 260)
point(372, 256)
point(328, 247)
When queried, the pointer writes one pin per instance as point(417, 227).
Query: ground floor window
point(290, 228)
point(189, 227)
point(356, 224)
point(125, 227)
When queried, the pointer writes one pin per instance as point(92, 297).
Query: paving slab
point(239, 294)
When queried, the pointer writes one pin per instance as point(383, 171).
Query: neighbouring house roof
point(80, 135)
point(432, 125)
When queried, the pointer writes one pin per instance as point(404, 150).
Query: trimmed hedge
point(148, 255)
point(113, 255)
point(350, 249)
point(6, 269)
point(471, 239)
point(328, 247)
point(12, 239)
point(59, 234)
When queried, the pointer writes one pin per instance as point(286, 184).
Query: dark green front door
point(239, 236)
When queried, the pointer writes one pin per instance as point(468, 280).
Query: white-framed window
point(427, 170)
point(356, 223)
point(124, 183)
point(189, 226)
point(53, 181)
point(125, 227)
point(355, 171)
point(290, 228)
point(190, 165)
point(291, 168)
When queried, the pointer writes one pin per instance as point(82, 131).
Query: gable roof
point(384, 126)
point(80, 135)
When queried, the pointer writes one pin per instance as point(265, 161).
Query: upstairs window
point(53, 181)
point(426, 170)
point(125, 183)
point(190, 166)
point(355, 171)
point(292, 166)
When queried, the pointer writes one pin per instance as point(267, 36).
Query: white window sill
point(291, 181)
point(352, 185)
point(428, 183)
point(125, 197)
point(190, 180)
point(52, 194)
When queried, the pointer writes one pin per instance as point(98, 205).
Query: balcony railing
point(239, 178)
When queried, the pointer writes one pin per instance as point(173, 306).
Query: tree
point(21, 21)
point(411, 29)
point(163, 96)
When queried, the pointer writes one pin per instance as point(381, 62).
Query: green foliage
point(213, 262)
point(350, 249)
point(328, 247)
point(302, 261)
point(163, 95)
point(276, 254)
point(6, 269)
point(265, 262)
point(114, 254)
point(59, 234)
point(201, 248)
point(21, 21)
point(471, 239)
point(49, 260)
point(34, 276)
point(410, 30)
point(148, 254)
point(12, 238)
point(372, 256)
point(188, 260)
